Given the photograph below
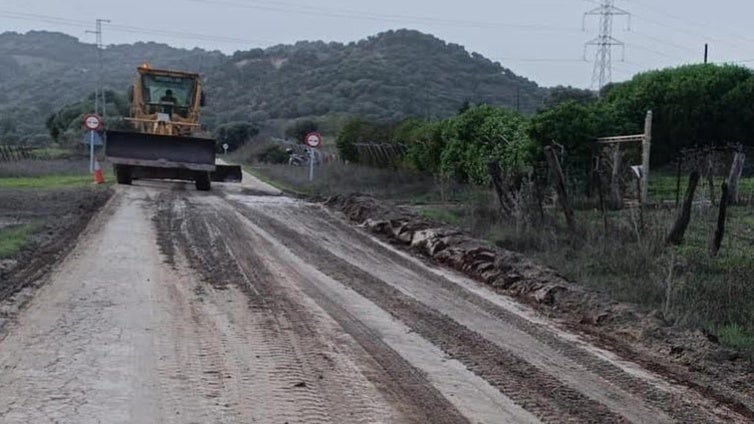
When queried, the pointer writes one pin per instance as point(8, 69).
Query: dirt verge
point(57, 216)
point(687, 356)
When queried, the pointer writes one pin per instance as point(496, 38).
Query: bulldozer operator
point(168, 97)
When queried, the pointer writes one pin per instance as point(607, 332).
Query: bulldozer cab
point(168, 93)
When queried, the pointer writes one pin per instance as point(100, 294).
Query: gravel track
point(185, 307)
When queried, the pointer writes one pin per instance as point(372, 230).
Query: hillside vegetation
point(387, 77)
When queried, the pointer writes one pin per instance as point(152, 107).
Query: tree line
point(693, 105)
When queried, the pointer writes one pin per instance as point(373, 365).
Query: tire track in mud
point(413, 386)
point(535, 391)
point(320, 222)
point(314, 386)
point(273, 386)
point(688, 406)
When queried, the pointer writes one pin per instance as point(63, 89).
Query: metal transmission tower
point(603, 64)
point(99, 93)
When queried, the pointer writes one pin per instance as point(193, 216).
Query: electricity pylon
point(603, 63)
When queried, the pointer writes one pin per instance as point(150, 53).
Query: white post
point(91, 152)
point(646, 149)
point(311, 164)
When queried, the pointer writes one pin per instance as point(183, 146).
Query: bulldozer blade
point(227, 174)
point(160, 151)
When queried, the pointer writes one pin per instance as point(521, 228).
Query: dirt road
point(242, 306)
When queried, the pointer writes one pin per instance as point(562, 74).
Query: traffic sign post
point(225, 148)
point(313, 140)
point(91, 152)
point(92, 122)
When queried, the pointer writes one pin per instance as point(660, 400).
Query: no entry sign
point(92, 122)
point(313, 139)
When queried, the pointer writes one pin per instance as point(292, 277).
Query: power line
point(696, 23)
point(537, 59)
point(665, 42)
point(655, 51)
point(295, 8)
point(605, 42)
point(34, 17)
point(693, 31)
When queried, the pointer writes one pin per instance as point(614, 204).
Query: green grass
point(663, 186)
point(13, 239)
point(287, 188)
point(46, 182)
point(54, 152)
point(442, 214)
point(736, 337)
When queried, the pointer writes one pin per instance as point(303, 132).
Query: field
point(43, 206)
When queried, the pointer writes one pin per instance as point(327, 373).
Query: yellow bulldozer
point(165, 144)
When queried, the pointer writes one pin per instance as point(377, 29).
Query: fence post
point(678, 181)
point(715, 243)
point(682, 221)
point(710, 178)
point(616, 197)
point(736, 169)
point(645, 151)
point(554, 163)
point(497, 181)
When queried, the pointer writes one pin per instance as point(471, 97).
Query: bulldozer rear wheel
point(123, 174)
point(202, 181)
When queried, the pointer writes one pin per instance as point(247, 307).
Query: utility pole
point(99, 93)
point(603, 63)
point(706, 53)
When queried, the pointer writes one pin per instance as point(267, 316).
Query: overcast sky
point(538, 39)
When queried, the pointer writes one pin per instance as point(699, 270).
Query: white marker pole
point(311, 164)
point(91, 152)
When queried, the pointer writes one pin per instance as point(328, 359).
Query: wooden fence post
point(682, 222)
point(616, 197)
point(678, 181)
point(554, 163)
point(497, 181)
point(603, 210)
point(710, 178)
point(715, 243)
point(736, 169)
point(646, 148)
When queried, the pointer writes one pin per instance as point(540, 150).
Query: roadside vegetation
point(44, 174)
point(14, 238)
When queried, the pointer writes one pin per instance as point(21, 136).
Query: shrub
point(274, 153)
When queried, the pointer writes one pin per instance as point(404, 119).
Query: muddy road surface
point(241, 306)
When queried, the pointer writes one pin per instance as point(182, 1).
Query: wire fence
point(16, 153)
point(380, 154)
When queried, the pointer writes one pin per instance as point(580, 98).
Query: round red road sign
point(313, 139)
point(92, 122)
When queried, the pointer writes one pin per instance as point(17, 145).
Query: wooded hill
point(387, 77)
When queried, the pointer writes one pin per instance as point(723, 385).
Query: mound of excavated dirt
point(58, 216)
point(644, 337)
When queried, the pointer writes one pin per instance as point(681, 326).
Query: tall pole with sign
point(313, 140)
point(92, 123)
